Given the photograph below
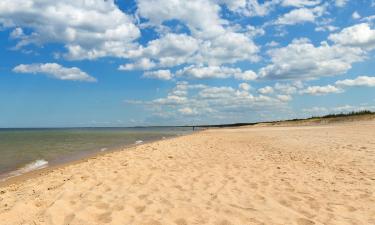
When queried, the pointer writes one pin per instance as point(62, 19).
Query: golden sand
point(254, 175)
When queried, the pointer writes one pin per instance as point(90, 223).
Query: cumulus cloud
point(87, 29)
point(213, 101)
point(288, 88)
point(302, 60)
point(230, 47)
point(200, 72)
point(326, 27)
point(341, 3)
point(300, 3)
point(169, 50)
point(201, 16)
point(187, 111)
point(211, 41)
point(356, 15)
point(321, 90)
point(368, 18)
point(365, 81)
point(159, 74)
point(266, 90)
point(55, 70)
point(284, 98)
point(244, 86)
point(178, 49)
point(141, 64)
point(301, 15)
point(254, 8)
point(359, 35)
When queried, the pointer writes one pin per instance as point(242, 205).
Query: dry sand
point(255, 175)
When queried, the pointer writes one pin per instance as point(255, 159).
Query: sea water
point(24, 150)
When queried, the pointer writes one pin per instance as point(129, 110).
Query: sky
point(77, 63)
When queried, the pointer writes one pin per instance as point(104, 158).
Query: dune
point(317, 174)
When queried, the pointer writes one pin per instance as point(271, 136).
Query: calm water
point(23, 150)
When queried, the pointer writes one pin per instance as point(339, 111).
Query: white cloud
point(246, 75)
point(177, 49)
point(301, 15)
point(244, 86)
point(229, 47)
point(18, 33)
point(324, 60)
point(170, 100)
point(360, 35)
point(216, 43)
point(201, 16)
point(284, 98)
point(272, 44)
point(88, 29)
point(356, 15)
point(329, 28)
point(159, 74)
point(365, 81)
point(288, 88)
point(197, 72)
point(321, 90)
point(341, 3)
point(368, 18)
point(56, 71)
point(252, 31)
point(170, 50)
point(233, 4)
point(253, 8)
point(187, 111)
point(213, 102)
point(266, 90)
point(200, 72)
point(141, 64)
point(300, 3)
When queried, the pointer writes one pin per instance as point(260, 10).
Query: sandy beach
point(321, 174)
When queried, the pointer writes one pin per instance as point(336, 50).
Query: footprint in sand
point(105, 217)
point(224, 222)
point(69, 218)
point(303, 221)
point(253, 185)
point(140, 209)
point(152, 222)
point(181, 221)
point(102, 205)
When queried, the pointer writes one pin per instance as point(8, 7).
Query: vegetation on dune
point(335, 115)
point(353, 113)
point(328, 116)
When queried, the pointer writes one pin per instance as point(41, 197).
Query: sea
point(25, 150)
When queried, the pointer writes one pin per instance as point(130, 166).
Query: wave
point(138, 142)
point(35, 165)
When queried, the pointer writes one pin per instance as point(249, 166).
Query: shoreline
point(10, 180)
point(6, 181)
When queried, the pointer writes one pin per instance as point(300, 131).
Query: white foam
point(36, 165)
point(138, 142)
point(103, 149)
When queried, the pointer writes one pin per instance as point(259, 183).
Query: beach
point(315, 174)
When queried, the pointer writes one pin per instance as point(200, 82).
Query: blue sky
point(169, 62)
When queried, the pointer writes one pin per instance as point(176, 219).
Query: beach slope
point(323, 174)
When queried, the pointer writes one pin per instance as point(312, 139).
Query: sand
point(253, 175)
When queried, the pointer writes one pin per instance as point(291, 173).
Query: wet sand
point(253, 175)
